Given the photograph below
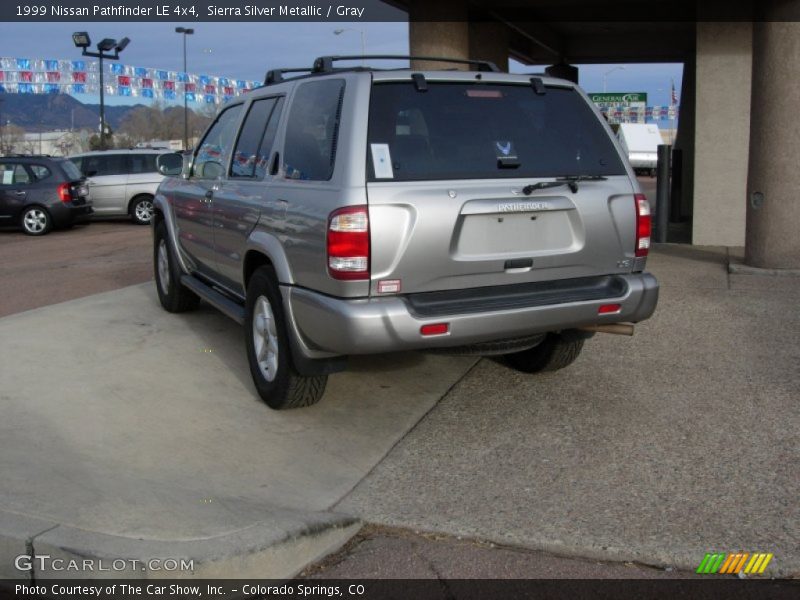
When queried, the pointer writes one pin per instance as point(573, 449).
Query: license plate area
point(504, 234)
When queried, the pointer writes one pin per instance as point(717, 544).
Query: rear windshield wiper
point(569, 180)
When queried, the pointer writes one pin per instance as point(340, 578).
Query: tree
point(12, 139)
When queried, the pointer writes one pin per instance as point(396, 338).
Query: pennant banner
point(626, 114)
point(53, 76)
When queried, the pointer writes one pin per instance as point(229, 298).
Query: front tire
point(142, 210)
point(35, 220)
point(557, 350)
point(268, 350)
point(174, 297)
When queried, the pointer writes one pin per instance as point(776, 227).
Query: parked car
point(121, 182)
point(38, 193)
point(359, 211)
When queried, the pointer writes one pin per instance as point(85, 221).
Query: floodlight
point(122, 44)
point(106, 44)
point(81, 39)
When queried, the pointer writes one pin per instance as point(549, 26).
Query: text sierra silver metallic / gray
point(355, 211)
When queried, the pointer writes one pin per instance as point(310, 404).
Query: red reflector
point(607, 309)
point(435, 329)
point(63, 192)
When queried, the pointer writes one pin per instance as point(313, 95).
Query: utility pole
point(185, 31)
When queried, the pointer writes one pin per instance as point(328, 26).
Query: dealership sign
point(632, 104)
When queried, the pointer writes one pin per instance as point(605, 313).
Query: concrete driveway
point(123, 423)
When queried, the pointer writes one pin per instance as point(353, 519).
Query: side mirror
point(170, 164)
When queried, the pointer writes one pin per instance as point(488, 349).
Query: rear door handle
point(209, 195)
point(19, 192)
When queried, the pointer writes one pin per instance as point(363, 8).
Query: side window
point(312, 130)
point(255, 123)
point(143, 163)
point(215, 150)
point(40, 172)
point(98, 165)
point(78, 162)
point(13, 174)
point(254, 148)
point(268, 141)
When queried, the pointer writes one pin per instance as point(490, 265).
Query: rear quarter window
point(70, 170)
point(480, 131)
point(312, 130)
point(40, 172)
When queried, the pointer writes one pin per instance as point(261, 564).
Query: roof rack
point(324, 64)
point(276, 75)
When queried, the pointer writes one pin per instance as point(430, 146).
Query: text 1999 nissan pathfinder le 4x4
point(356, 211)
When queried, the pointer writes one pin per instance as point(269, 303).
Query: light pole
point(607, 73)
point(81, 39)
point(363, 39)
point(185, 31)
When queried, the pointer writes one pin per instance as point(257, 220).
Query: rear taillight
point(642, 225)
point(63, 193)
point(348, 243)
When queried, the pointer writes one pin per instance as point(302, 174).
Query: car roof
point(123, 151)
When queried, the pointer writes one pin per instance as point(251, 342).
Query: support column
point(773, 184)
point(722, 102)
point(489, 41)
point(431, 35)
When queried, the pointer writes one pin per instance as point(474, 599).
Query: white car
point(121, 182)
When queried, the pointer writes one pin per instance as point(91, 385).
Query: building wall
point(722, 132)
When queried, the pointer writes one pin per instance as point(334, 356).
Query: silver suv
point(121, 182)
point(358, 211)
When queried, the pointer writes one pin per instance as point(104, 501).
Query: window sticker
point(8, 177)
point(382, 161)
point(505, 149)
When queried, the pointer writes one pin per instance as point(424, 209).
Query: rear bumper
point(375, 325)
point(67, 214)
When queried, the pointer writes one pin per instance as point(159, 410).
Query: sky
point(248, 50)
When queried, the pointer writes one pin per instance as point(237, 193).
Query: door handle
point(19, 192)
point(209, 195)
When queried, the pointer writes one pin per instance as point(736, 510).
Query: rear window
point(71, 170)
point(468, 131)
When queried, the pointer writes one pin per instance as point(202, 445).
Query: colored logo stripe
point(723, 563)
point(758, 563)
point(711, 562)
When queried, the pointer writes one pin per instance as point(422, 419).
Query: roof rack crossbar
point(324, 64)
point(276, 75)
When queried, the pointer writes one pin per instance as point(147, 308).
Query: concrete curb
point(742, 269)
point(278, 547)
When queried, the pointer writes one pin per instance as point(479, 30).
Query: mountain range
point(35, 112)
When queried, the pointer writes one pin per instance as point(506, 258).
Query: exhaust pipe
point(617, 328)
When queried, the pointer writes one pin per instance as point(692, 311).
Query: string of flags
point(623, 114)
point(53, 76)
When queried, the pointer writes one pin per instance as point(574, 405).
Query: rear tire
point(174, 297)
point(268, 350)
point(142, 210)
point(555, 352)
point(35, 220)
